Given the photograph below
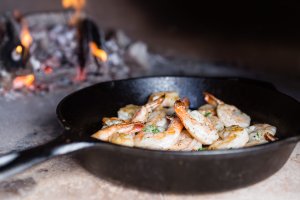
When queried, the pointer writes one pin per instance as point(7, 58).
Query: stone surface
point(63, 178)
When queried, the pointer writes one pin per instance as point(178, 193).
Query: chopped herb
point(256, 136)
point(202, 149)
point(207, 114)
point(151, 129)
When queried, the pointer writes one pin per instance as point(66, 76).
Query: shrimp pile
point(166, 122)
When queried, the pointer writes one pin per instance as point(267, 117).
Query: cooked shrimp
point(170, 98)
point(233, 137)
point(151, 138)
point(143, 113)
point(228, 114)
point(260, 134)
point(127, 112)
point(125, 139)
point(200, 127)
point(186, 142)
point(167, 104)
point(158, 118)
point(108, 121)
point(208, 110)
point(217, 123)
point(128, 128)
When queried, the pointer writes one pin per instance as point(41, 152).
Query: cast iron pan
point(203, 171)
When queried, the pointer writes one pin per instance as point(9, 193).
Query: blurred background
point(252, 37)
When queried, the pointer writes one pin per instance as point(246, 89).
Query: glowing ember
point(19, 49)
point(23, 81)
point(48, 70)
point(81, 75)
point(99, 53)
point(25, 36)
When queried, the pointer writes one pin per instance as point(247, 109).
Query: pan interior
point(83, 110)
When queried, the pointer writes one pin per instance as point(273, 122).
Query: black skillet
point(203, 171)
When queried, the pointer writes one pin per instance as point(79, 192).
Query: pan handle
point(15, 162)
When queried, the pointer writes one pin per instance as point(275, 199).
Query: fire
point(23, 81)
point(48, 70)
point(25, 36)
point(99, 53)
point(17, 53)
point(19, 49)
point(77, 5)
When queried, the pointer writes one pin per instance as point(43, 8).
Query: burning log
point(90, 41)
point(89, 38)
point(12, 51)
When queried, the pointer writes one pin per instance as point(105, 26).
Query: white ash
point(138, 52)
point(57, 43)
point(55, 46)
point(122, 39)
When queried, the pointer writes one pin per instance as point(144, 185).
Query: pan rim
point(135, 150)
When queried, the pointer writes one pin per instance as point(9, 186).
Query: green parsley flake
point(207, 114)
point(202, 148)
point(151, 129)
point(256, 136)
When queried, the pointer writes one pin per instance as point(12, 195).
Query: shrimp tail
point(186, 101)
point(211, 99)
point(154, 104)
point(270, 138)
point(142, 114)
point(180, 106)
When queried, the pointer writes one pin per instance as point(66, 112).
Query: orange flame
point(25, 36)
point(23, 81)
point(99, 53)
point(77, 5)
point(19, 49)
